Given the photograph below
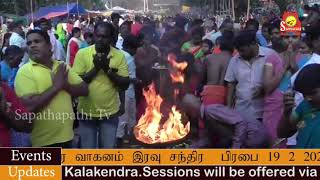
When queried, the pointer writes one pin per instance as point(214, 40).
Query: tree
point(282, 4)
point(240, 5)
point(22, 7)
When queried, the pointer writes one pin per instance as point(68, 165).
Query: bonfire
point(149, 129)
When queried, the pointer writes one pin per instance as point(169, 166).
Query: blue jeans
point(101, 133)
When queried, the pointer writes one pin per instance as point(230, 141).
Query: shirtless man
point(215, 69)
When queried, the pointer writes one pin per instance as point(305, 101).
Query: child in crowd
point(207, 46)
point(306, 117)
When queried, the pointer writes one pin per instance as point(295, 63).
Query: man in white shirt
point(18, 39)
point(227, 25)
point(125, 30)
point(128, 119)
point(57, 51)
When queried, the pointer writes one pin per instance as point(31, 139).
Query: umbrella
point(118, 8)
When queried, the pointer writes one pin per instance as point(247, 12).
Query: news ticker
point(56, 163)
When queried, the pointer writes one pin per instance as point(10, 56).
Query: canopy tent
point(54, 14)
point(55, 11)
point(94, 13)
point(107, 13)
point(118, 8)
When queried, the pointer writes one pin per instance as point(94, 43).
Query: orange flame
point(177, 75)
point(149, 131)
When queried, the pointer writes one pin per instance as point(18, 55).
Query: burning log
point(162, 123)
point(149, 129)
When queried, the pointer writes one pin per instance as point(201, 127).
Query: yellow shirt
point(54, 124)
point(103, 99)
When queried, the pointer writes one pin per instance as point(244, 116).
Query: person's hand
point(59, 79)
point(135, 81)
point(288, 101)
point(97, 62)
point(105, 64)
point(258, 92)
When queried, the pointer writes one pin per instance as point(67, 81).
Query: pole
point(68, 9)
point(233, 11)
point(248, 10)
point(219, 7)
point(224, 7)
point(78, 7)
point(31, 8)
point(147, 2)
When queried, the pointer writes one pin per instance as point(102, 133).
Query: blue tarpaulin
point(72, 8)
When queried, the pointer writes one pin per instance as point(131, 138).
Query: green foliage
point(282, 4)
point(21, 7)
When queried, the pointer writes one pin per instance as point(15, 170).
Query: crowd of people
point(80, 84)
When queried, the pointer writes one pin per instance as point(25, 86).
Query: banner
point(54, 163)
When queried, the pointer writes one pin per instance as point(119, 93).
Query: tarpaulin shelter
point(118, 8)
point(60, 10)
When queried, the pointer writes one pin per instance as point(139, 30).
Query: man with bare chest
point(214, 92)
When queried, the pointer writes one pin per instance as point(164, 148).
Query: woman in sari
point(9, 68)
point(195, 45)
point(61, 34)
point(277, 72)
point(74, 45)
point(305, 53)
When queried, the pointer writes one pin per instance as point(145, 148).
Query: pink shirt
point(135, 28)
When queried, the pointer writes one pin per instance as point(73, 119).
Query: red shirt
point(135, 28)
point(74, 48)
point(15, 106)
point(69, 28)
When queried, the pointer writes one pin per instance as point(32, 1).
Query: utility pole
point(248, 10)
point(78, 7)
point(16, 8)
point(147, 5)
point(31, 8)
point(233, 10)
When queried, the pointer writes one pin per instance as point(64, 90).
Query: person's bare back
point(216, 67)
